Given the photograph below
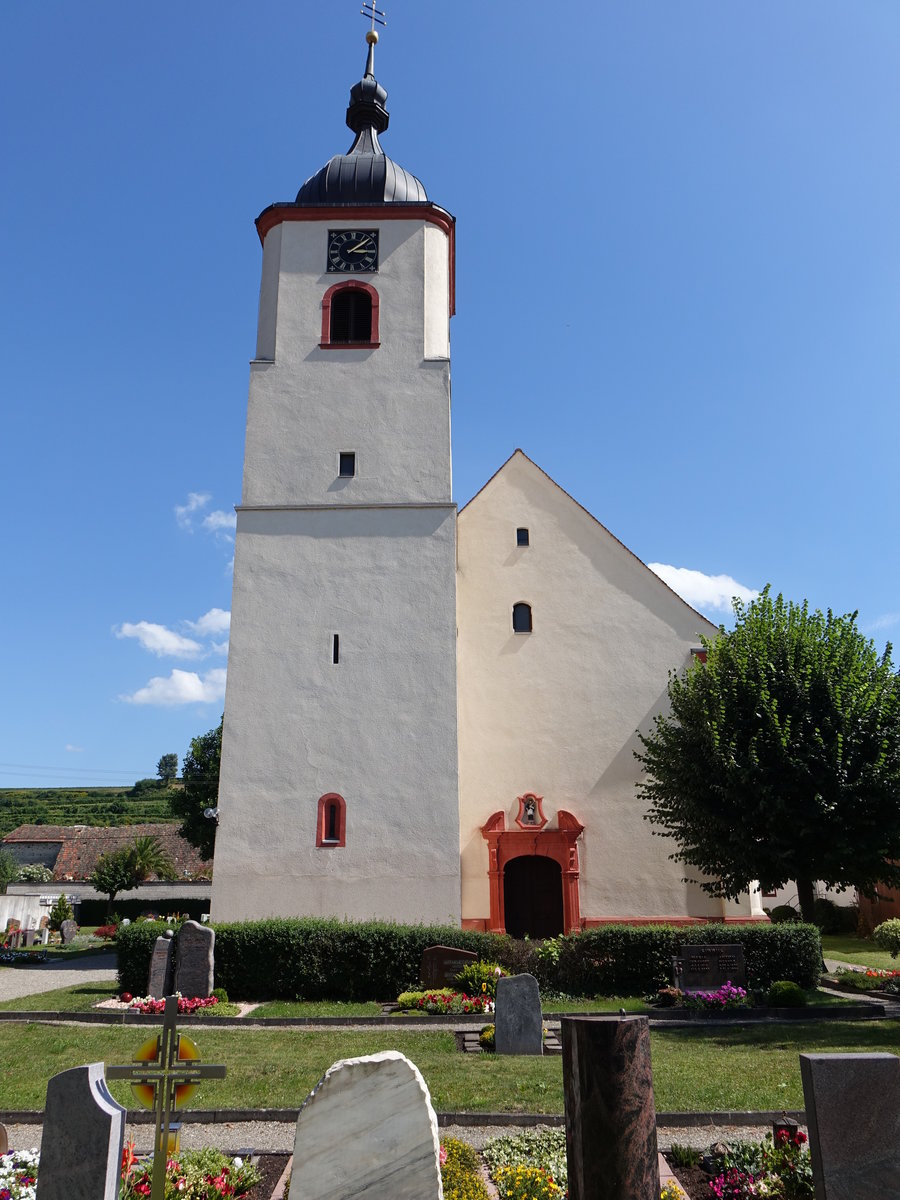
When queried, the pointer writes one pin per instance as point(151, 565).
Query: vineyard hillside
point(146, 803)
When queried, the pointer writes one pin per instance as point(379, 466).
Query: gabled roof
point(517, 453)
point(82, 845)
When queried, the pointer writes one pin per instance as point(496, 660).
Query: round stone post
point(610, 1112)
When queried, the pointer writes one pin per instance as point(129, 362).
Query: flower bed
point(444, 1002)
point(152, 1007)
point(779, 1168)
point(191, 1175)
point(18, 1174)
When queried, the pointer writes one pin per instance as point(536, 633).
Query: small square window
point(346, 464)
point(522, 537)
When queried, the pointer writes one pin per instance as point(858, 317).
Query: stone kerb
point(368, 1128)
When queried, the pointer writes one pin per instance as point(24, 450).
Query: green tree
point(167, 768)
point(200, 777)
point(114, 873)
point(35, 873)
point(9, 870)
point(122, 870)
point(780, 757)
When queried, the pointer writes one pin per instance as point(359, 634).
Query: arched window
point(331, 822)
point(521, 618)
point(350, 316)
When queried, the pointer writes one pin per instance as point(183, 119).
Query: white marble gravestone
point(81, 1144)
point(368, 1131)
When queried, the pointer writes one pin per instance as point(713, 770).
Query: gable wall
point(555, 711)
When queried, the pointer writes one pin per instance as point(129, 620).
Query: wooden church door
point(532, 897)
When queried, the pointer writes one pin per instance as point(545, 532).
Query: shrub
point(887, 936)
point(782, 913)
point(785, 994)
point(683, 1156)
point(107, 932)
point(220, 994)
point(61, 911)
point(480, 978)
point(486, 1038)
point(460, 1174)
point(34, 873)
point(835, 918)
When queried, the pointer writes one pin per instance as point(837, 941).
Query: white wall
point(555, 711)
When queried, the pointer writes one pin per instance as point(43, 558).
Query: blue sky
point(678, 291)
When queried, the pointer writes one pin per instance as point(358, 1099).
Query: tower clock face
point(351, 250)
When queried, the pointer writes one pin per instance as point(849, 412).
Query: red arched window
point(350, 316)
point(331, 822)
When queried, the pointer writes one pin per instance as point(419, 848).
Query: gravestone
point(441, 965)
point(28, 936)
point(45, 935)
point(705, 968)
point(159, 981)
point(81, 1144)
point(853, 1115)
point(368, 1128)
point(518, 1025)
point(44, 922)
point(195, 959)
point(610, 1112)
point(67, 931)
point(4, 1140)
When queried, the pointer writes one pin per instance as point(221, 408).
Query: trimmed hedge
point(628, 960)
point(309, 958)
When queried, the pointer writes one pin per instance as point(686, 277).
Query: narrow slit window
point(336, 648)
point(331, 821)
point(521, 618)
point(346, 464)
point(522, 536)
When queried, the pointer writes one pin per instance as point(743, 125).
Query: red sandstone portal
point(558, 844)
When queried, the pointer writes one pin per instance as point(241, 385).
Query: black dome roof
point(365, 174)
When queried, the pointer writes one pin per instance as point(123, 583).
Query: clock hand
point(360, 246)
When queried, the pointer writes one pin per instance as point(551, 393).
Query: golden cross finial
point(369, 11)
point(164, 1075)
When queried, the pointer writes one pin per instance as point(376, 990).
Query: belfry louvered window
point(351, 316)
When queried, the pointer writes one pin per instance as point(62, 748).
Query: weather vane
point(369, 11)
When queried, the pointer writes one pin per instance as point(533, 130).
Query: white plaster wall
point(268, 295)
point(390, 405)
point(555, 711)
point(437, 293)
point(379, 728)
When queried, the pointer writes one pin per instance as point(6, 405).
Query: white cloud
point(885, 621)
point(160, 641)
point(214, 621)
point(705, 592)
point(220, 522)
point(184, 512)
point(70, 749)
point(181, 687)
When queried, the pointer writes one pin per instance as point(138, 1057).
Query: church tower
point(339, 778)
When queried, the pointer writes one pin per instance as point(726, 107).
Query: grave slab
point(441, 965)
point(368, 1130)
point(518, 1025)
point(853, 1116)
point(610, 1112)
point(195, 959)
point(159, 981)
point(68, 931)
point(704, 968)
point(82, 1139)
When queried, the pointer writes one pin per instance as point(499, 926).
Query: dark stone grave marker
point(195, 959)
point(68, 931)
point(853, 1115)
point(705, 968)
point(610, 1112)
point(441, 965)
point(159, 982)
point(518, 1027)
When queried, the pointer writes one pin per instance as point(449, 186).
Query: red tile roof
point(82, 846)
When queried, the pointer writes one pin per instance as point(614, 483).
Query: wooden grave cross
point(165, 1073)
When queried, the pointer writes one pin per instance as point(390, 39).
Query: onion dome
point(364, 175)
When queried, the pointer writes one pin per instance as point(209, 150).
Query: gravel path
point(260, 1136)
point(27, 981)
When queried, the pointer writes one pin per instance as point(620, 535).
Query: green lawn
point(738, 1068)
point(317, 1008)
point(78, 997)
point(858, 951)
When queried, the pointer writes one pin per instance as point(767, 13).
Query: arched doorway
point(533, 841)
point(533, 897)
